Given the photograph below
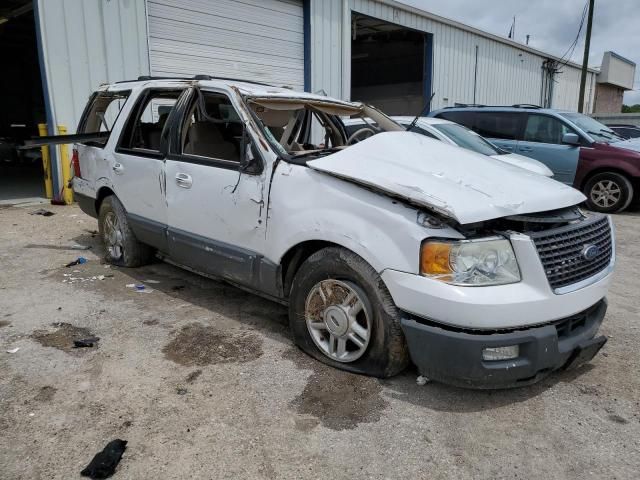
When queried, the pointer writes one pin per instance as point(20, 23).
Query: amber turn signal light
point(434, 258)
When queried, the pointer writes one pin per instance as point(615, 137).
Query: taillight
point(75, 161)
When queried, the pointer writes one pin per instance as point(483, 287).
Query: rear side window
point(143, 131)
point(504, 125)
point(545, 129)
point(101, 114)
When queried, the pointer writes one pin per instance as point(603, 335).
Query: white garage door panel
point(251, 39)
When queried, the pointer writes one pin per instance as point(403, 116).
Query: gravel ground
point(203, 381)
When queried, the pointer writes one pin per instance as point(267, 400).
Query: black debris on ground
point(85, 342)
point(43, 212)
point(104, 464)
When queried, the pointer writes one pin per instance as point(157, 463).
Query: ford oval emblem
point(590, 252)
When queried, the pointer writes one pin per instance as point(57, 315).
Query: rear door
point(216, 216)
point(542, 140)
point(138, 164)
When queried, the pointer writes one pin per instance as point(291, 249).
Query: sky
point(553, 25)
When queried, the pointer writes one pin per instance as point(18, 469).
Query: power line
point(574, 44)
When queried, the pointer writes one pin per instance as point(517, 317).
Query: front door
point(542, 140)
point(216, 216)
point(138, 165)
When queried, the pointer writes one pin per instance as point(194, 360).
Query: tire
point(115, 231)
point(342, 273)
point(620, 192)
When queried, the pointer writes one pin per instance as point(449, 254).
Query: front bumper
point(454, 356)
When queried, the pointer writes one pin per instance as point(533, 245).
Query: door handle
point(118, 168)
point(184, 180)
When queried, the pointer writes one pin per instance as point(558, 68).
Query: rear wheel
point(121, 245)
point(342, 314)
point(608, 192)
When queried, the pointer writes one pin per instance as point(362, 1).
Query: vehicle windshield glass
point(310, 127)
point(465, 138)
point(598, 131)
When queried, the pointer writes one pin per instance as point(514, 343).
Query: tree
point(631, 108)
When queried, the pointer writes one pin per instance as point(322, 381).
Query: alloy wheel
point(338, 320)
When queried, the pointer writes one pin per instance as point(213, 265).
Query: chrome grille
point(561, 250)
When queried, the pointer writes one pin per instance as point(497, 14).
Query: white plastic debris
point(131, 285)
point(100, 277)
point(13, 350)
point(151, 281)
point(421, 380)
point(77, 246)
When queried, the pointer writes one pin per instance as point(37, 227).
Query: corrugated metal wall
point(86, 43)
point(506, 74)
point(259, 40)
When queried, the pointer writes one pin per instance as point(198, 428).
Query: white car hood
point(460, 184)
point(525, 162)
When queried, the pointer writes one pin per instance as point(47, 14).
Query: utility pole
point(585, 59)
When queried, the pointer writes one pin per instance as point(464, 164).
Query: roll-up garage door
point(260, 40)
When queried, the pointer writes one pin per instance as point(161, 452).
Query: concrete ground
point(203, 381)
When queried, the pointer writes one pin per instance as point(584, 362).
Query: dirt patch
point(4, 323)
point(45, 394)
point(337, 399)
point(151, 322)
point(62, 337)
point(199, 345)
point(193, 376)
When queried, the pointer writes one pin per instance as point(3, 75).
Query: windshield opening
point(299, 127)
point(465, 138)
point(598, 131)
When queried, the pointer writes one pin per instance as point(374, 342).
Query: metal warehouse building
point(379, 51)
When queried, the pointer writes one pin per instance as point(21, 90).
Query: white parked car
point(394, 247)
point(459, 135)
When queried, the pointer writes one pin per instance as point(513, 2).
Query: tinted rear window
point(503, 125)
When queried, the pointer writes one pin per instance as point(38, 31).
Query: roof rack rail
point(147, 78)
point(525, 105)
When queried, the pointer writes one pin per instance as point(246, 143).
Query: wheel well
point(103, 193)
point(295, 256)
point(606, 170)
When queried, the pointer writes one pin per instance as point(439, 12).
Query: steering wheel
point(360, 135)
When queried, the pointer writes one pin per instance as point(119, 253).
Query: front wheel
point(608, 192)
point(121, 245)
point(342, 314)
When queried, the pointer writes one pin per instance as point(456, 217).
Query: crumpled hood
point(460, 184)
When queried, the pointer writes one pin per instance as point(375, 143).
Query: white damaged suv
point(387, 248)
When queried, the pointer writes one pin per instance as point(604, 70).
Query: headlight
point(486, 261)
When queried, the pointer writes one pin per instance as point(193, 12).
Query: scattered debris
point(176, 288)
point(150, 322)
point(13, 350)
point(77, 261)
point(43, 212)
point(85, 342)
point(140, 287)
point(151, 281)
point(4, 323)
point(182, 391)
point(104, 464)
point(618, 419)
point(421, 380)
point(80, 247)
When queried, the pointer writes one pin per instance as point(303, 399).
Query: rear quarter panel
point(602, 157)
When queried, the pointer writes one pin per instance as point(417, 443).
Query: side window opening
point(101, 114)
point(213, 128)
point(145, 126)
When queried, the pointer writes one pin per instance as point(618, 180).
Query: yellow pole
point(46, 162)
point(66, 194)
